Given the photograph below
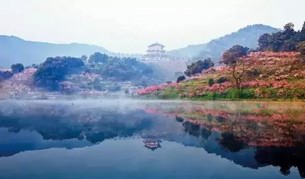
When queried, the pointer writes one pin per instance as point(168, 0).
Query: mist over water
point(127, 138)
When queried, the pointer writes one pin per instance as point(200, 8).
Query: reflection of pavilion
point(228, 141)
point(152, 144)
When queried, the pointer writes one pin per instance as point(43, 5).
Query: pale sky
point(130, 25)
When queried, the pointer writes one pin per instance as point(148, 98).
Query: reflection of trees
point(276, 133)
point(272, 142)
point(102, 125)
point(196, 130)
point(179, 119)
point(230, 140)
point(258, 128)
point(254, 130)
point(285, 158)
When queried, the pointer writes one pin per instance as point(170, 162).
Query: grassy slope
point(268, 76)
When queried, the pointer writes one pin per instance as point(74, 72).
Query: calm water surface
point(151, 139)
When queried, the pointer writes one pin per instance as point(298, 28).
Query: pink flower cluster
point(280, 84)
point(274, 54)
point(219, 87)
point(152, 89)
point(266, 84)
point(255, 84)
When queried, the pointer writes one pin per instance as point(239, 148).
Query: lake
point(151, 139)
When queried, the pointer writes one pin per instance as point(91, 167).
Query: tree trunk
point(238, 77)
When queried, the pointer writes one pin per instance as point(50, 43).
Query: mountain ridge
point(14, 49)
point(246, 36)
point(17, 50)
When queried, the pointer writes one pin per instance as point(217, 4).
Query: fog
point(129, 26)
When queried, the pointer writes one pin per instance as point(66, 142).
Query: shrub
point(222, 80)
point(17, 68)
point(5, 75)
point(170, 93)
point(233, 93)
point(248, 93)
point(180, 78)
point(198, 66)
point(268, 93)
point(298, 93)
point(211, 82)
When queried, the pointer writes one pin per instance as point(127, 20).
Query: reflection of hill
point(36, 127)
point(285, 158)
point(62, 128)
point(13, 143)
point(229, 146)
point(265, 136)
point(261, 126)
point(57, 127)
point(211, 144)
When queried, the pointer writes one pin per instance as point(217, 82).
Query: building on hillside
point(157, 56)
point(155, 52)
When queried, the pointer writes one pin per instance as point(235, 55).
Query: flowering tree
point(233, 58)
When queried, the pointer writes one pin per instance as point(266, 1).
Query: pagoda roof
point(156, 44)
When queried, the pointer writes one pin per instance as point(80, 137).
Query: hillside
point(267, 75)
point(247, 36)
point(100, 75)
point(16, 50)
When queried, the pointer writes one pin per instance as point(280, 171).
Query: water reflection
point(275, 133)
point(251, 135)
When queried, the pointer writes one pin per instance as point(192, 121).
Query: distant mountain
point(17, 50)
point(189, 51)
point(247, 36)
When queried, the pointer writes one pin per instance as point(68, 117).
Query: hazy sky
point(130, 25)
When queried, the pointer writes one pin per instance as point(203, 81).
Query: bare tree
point(233, 58)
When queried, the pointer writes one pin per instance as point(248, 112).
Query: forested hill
point(247, 36)
point(16, 50)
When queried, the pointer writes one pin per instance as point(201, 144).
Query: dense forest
point(93, 72)
point(287, 40)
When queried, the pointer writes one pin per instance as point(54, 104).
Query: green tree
point(180, 78)
point(285, 40)
point(198, 66)
point(302, 33)
point(54, 70)
point(264, 42)
point(17, 68)
point(98, 58)
point(211, 82)
point(289, 26)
